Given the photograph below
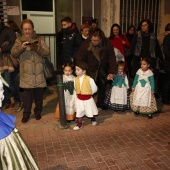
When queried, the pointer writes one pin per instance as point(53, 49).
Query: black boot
point(150, 116)
point(136, 113)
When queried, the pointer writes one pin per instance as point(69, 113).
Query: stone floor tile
point(59, 154)
point(69, 157)
point(102, 151)
point(83, 168)
point(91, 164)
point(113, 168)
point(50, 151)
point(56, 145)
point(165, 160)
point(62, 164)
point(72, 166)
point(162, 166)
point(48, 143)
point(91, 148)
point(82, 146)
point(109, 161)
point(80, 161)
point(51, 159)
point(102, 166)
point(154, 158)
point(76, 151)
point(43, 165)
point(97, 157)
point(132, 165)
point(120, 164)
point(66, 148)
point(141, 154)
point(125, 157)
point(40, 148)
point(42, 156)
point(150, 164)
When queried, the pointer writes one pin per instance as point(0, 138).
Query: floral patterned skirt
point(144, 109)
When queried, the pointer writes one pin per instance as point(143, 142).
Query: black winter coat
point(6, 35)
point(145, 53)
point(71, 42)
point(166, 51)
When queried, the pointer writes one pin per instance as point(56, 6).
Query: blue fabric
point(6, 124)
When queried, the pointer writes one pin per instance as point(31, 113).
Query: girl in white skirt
point(85, 87)
point(117, 97)
point(69, 93)
point(142, 98)
point(14, 154)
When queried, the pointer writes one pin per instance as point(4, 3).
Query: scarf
point(96, 50)
point(139, 43)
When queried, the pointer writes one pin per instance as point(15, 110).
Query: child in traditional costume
point(85, 87)
point(69, 93)
point(117, 97)
point(14, 154)
point(142, 98)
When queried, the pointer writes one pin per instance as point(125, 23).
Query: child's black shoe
point(150, 116)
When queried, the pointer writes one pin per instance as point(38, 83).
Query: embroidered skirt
point(144, 109)
point(14, 154)
point(114, 106)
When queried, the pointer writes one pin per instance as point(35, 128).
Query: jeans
point(9, 77)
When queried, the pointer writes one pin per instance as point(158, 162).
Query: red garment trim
point(83, 97)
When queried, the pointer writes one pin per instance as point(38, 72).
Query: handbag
point(48, 68)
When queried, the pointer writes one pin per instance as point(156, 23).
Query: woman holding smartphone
point(30, 49)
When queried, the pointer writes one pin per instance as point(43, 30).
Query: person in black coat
point(130, 34)
point(146, 45)
point(7, 66)
point(71, 40)
point(166, 51)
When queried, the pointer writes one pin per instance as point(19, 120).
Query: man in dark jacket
point(9, 72)
point(71, 40)
point(166, 51)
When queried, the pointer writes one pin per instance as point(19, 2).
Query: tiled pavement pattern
point(119, 141)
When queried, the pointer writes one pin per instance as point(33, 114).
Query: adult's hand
point(110, 76)
point(24, 45)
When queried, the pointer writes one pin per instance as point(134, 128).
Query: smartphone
point(28, 44)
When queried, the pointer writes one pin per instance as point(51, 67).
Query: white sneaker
point(94, 123)
point(77, 127)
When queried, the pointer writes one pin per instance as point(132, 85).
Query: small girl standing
point(117, 97)
point(69, 93)
point(85, 87)
point(142, 98)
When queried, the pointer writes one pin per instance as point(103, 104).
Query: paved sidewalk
point(119, 141)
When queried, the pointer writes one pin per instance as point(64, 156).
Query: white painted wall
point(44, 23)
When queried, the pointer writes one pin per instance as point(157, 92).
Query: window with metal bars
point(134, 11)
